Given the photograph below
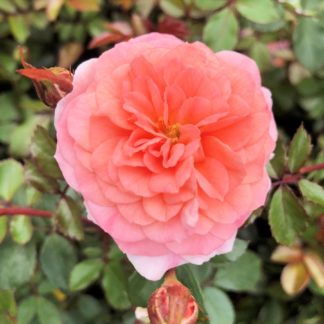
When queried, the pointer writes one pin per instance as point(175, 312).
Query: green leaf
point(221, 31)
point(90, 307)
point(276, 166)
point(140, 289)
point(39, 181)
point(8, 108)
point(11, 178)
point(219, 307)
point(20, 139)
point(3, 227)
point(244, 274)
point(209, 4)
point(42, 149)
point(260, 53)
point(271, 313)
point(32, 196)
point(7, 6)
point(47, 312)
point(68, 216)
point(57, 260)
point(85, 273)
point(261, 11)
point(114, 284)
point(5, 131)
point(299, 149)
point(312, 191)
point(22, 4)
point(308, 41)
point(19, 28)
point(239, 248)
point(8, 307)
point(27, 310)
point(173, 8)
point(17, 264)
point(287, 217)
point(21, 229)
point(187, 277)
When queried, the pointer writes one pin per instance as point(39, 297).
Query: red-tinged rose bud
point(172, 303)
point(176, 27)
point(51, 84)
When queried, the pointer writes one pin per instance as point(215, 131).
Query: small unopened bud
point(294, 278)
point(51, 84)
point(315, 267)
point(286, 254)
point(172, 303)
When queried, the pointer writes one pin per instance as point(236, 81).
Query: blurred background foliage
point(57, 267)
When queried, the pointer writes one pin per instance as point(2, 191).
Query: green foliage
point(239, 248)
point(312, 191)
point(209, 4)
point(276, 166)
point(221, 31)
point(21, 229)
point(85, 273)
point(140, 289)
point(27, 310)
point(17, 264)
point(219, 306)
point(47, 312)
point(57, 267)
point(3, 228)
point(188, 278)
point(261, 11)
point(299, 150)
point(287, 217)
point(12, 177)
point(309, 43)
point(68, 218)
point(244, 274)
point(57, 259)
point(8, 308)
point(42, 150)
point(114, 284)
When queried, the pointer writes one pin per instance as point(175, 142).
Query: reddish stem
point(287, 179)
point(25, 211)
point(294, 178)
point(16, 210)
point(311, 168)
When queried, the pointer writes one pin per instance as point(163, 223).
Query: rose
point(167, 142)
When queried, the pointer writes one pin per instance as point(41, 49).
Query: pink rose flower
point(167, 142)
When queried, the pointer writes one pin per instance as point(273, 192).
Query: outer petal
point(241, 62)
point(153, 268)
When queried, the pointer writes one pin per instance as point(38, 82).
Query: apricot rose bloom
point(167, 142)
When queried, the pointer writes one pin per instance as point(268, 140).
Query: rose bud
point(172, 303)
point(294, 278)
point(315, 267)
point(51, 84)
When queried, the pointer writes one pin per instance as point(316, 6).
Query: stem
point(311, 168)
point(170, 276)
point(24, 211)
point(16, 210)
point(294, 178)
point(287, 179)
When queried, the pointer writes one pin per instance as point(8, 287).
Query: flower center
point(171, 131)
